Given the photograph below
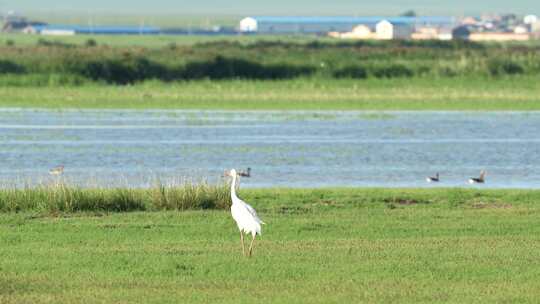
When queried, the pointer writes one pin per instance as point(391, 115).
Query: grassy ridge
point(514, 93)
point(319, 246)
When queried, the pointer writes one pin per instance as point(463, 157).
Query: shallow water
point(289, 149)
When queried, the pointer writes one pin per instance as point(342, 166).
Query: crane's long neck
point(233, 187)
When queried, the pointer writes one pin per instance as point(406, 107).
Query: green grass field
point(319, 246)
point(153, 41)
point(516, 93)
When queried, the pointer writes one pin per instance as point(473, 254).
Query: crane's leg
point(251, 245)
point(242, 241)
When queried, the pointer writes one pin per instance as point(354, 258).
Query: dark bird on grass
point(433, 179)
point(478, 180)
point(58, 170)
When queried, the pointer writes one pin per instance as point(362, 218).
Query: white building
point(431, 33)
point(248, 25)
point(358, 32)
point(382, 30)
point(362, 31)
point(57, 32)
point(532, 22)
point(386, 30)
point(530, 19)
point(520, 29)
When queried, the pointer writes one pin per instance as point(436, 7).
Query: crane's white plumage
point(244, 215)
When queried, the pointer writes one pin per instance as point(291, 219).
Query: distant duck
point(433, 179)
point(59, 170)
point(246, 173)
point(478, 180)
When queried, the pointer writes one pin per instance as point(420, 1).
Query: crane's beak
point(226, 173)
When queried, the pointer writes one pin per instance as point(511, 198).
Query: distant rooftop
point(355, 20)
point(83, 29)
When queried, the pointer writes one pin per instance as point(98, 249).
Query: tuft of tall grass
point(61, 197)
point(498, 67)
point(9, 67)
point(190, 196)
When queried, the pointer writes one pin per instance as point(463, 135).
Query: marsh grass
point(230, 59)
point(270, 73)
point(62, 197)
point(189, 196)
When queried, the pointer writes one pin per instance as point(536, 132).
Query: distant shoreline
point(481, 94)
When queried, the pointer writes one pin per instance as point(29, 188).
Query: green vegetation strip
point(61, 197)
point(269, 73)
point(516, 93)
point(69, 64)
point(319, 246)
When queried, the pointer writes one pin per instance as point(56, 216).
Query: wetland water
point(287, 149)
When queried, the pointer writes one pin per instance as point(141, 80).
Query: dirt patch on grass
point(328, 202)
point(311, 227)
point(487, 205)
point(292, 210)
point(110, 226)
point(404, 201)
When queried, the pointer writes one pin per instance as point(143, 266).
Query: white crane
point(245, 216)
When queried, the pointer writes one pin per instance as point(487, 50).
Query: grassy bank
point(513, 93)
point(319, 246)
point(58, 198)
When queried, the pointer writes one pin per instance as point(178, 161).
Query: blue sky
point(274, 7)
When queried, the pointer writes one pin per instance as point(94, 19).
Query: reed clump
point(189, 196)
point(62, 197)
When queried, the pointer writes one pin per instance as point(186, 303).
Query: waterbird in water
point(478, 180)
point(246, 173)
point(58, 170)
point(433, 179)
point(244, 215)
